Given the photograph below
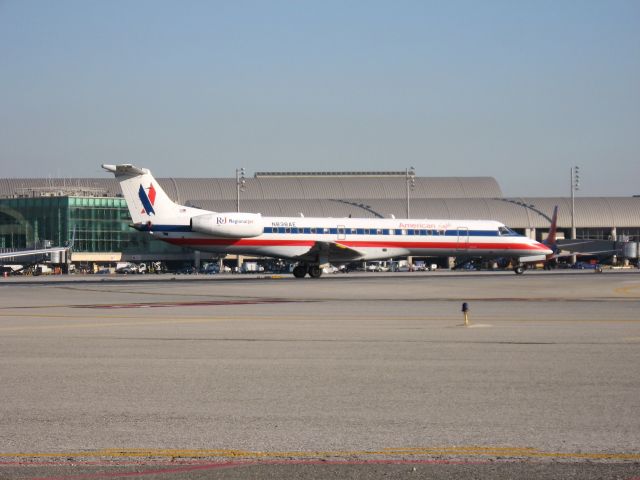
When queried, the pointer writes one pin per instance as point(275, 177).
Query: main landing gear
point(301, 270)
point(519, 269)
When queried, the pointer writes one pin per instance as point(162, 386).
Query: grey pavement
point(356, 368)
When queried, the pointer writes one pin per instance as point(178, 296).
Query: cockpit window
point(504, 231)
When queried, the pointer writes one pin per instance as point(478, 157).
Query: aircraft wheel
point(300, 271)
point(519, 269)
point(315, 271)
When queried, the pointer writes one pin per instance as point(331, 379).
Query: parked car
point(210, 269)
point(187, 270)
point(585, 266)
point(126, 270)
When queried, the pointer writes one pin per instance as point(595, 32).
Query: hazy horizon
point(511, 90)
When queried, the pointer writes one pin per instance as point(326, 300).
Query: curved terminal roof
point(360, 196)
point(592, 212)
point(293, 187)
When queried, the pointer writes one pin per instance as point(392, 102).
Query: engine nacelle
point(228, 225)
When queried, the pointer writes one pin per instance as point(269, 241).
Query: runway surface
point(351, 376)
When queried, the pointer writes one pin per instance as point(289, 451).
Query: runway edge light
point(465, 312)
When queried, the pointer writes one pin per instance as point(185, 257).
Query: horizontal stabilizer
point(125, 169)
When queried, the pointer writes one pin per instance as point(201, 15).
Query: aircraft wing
point(331, 252)
point(586, 247)
point(584, 254)
point(24, 253)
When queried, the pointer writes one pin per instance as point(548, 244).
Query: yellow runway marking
point(137, 322)
point(458, 451)
point(628, 290)
point(141, 321)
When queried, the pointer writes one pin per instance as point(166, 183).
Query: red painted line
point(375, 462)
point(216, 466)
point(157, 471)
point(185, 304)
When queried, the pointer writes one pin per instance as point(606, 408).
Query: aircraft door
point(342, 235)
point(463, 238)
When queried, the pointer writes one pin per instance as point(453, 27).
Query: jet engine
point(228, 225)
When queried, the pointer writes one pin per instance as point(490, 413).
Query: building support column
point(196, 260)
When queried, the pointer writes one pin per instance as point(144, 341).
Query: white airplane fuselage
point(313, 242)
point(375, 239)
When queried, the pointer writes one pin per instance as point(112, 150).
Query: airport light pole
point(410, 178)
point(575, 186)
point(241, 184)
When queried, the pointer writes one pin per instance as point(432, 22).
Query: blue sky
point(520, 91)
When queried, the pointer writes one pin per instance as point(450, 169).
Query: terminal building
point(33, 210)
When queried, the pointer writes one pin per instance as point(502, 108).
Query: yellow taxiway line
point(457, 451)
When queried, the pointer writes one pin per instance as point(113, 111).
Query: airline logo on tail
point(147, 199)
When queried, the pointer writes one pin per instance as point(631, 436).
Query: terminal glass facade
point(101, 223)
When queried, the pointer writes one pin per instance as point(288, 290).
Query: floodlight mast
point(410, 178)
point(575, 186)
point(241, 183)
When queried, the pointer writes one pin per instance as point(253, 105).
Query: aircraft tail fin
point(550, 241)
point(147, 201)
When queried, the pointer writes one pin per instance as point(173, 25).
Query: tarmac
point(348, 376)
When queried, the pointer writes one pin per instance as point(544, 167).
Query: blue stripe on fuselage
point(162, 228)
point(384, 231)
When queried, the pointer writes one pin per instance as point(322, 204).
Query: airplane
point(314, 242)
point(565, 249)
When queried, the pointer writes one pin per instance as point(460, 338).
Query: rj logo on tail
point(147, 199)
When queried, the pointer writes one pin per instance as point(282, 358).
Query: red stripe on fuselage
point(250, 242)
